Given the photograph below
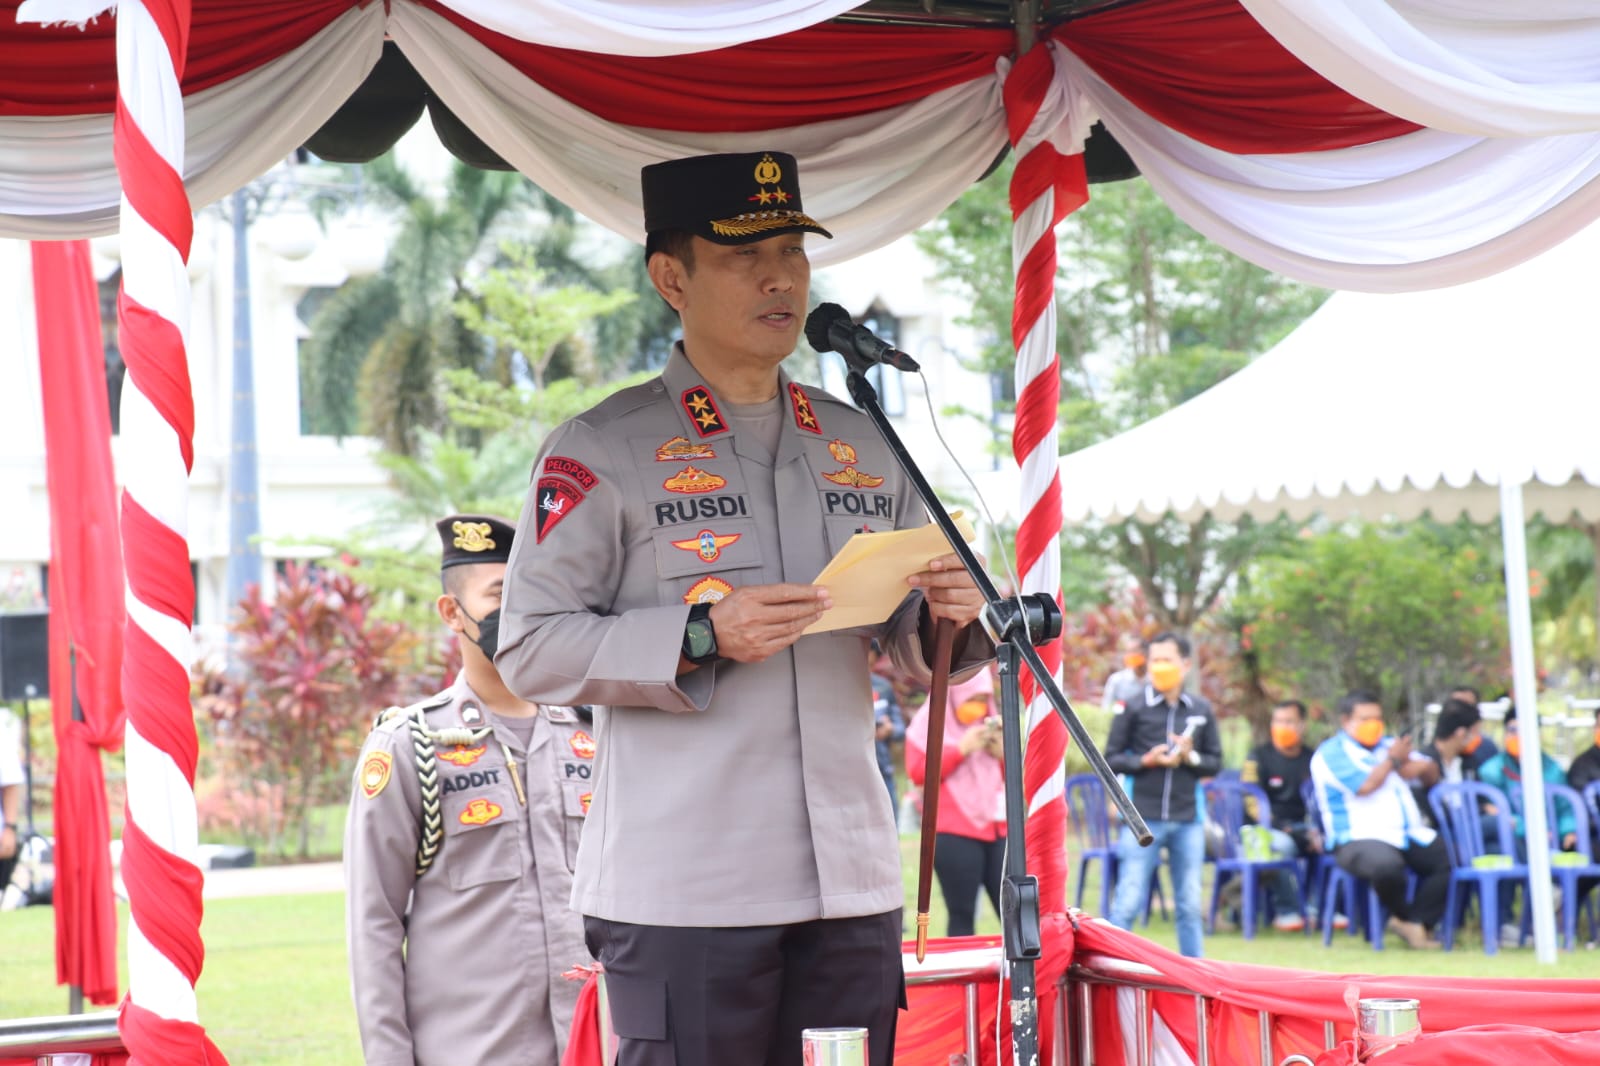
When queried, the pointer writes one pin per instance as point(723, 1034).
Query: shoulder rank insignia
point(375, 773)
point(471, 714)
point(681, 450)
point(582, 745)
point(841, 452)
point(702, 412)
point(480, 812)
point(692, 481)
point(572, 470)
point(473, 536)
point(804, 417)
point(707, 590)
point(461, 755)
point(854, 478)
point(707, 544)
point(557, 499)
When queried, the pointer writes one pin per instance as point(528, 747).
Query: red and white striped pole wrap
point(159, 1019)
point(1048, 123)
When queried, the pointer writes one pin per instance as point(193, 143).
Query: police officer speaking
point(459, 848)
point(739, 872)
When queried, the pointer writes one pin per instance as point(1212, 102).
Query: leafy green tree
point(377, 346)
point(1149, 314)
point(1397, 610)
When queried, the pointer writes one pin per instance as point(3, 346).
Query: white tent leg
point(1525, 694)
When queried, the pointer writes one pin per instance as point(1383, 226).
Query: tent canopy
point(1383, 405)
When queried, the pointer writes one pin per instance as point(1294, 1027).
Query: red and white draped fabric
point(1364, 144)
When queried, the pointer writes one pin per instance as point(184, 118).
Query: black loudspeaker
point(25, 655)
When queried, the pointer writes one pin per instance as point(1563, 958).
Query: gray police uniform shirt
point(756, 798)
point(464, 964)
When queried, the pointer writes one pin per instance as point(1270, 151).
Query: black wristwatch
point(700, 636)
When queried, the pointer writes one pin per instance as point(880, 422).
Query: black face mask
point(488, 640)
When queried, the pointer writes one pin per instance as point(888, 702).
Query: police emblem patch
point(557, 499)
point(854, 478)
point(707, 590)
point(841, 452)
point(706, 544)
point(571, 469)
point(461, 755)
point(681, 450)
point(375, 773)
point(480, 812)
point(804, 417)
point(582, 745)
point(691, 481)
point(702, 412)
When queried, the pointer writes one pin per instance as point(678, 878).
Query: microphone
point(830, 329)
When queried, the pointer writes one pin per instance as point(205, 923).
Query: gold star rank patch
point(804, 417)
point(702, 412)
point(706, 544)
point(375, 773)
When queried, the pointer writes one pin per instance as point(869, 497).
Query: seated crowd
point(1359, 799)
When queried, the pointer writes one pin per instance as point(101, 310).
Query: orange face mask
point(1475, 739)
point(1285, 737)
point(972, 711)
point(1514, 746)
point(1597, 738)
point(1368, 733)
point(1133, 660)
point(1166, 676)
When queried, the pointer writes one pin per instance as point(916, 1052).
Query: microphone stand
point(1015, 624)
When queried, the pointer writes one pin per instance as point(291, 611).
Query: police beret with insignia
point(474, 538)
point(730, 198)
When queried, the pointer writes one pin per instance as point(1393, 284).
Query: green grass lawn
point(275, 991)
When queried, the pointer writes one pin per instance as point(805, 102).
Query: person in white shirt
point(1371, 822)
point(12, 784)
point(1128, 682)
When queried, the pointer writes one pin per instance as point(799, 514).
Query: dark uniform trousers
point(740, 996)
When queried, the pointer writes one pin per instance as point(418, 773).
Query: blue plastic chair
point(1458, 808)
point(1569, 877)
point(1225, 804)
point(1342, 891)
point(1317, 864)
point(1089, 821)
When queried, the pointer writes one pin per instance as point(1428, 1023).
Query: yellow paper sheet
point(867, 579)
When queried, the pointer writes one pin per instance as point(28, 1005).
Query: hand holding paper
point(867, 579)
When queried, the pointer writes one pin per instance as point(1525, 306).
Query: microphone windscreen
point(820, 322)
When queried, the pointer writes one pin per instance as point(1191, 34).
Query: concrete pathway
point(290, 880)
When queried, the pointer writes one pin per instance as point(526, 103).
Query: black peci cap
point(732, 198)
point(474, 538)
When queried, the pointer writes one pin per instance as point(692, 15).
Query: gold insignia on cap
point(472, 536)
point(767, 171)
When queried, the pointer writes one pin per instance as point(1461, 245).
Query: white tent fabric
point(1480, 67)
point(1384, 405)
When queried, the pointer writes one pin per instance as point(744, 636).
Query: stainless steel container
point(1389, 1017)
point(834, 1047)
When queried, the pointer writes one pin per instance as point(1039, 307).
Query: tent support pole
point(1514, 533)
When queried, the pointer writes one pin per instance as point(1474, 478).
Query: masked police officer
point(740, 870)
point(459, 850)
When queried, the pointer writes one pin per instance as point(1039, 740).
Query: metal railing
point(1075, 1005)
point(68, 1034)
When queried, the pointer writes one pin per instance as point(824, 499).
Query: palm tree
point(377, 346)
